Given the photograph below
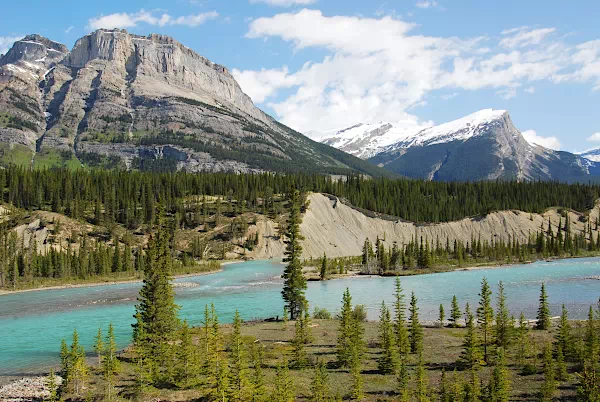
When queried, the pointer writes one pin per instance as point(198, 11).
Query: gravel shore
point(26, 389)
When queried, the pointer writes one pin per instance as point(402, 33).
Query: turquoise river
point(32, 324)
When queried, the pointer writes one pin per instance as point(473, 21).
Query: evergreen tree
point(485, 318)
point(323, 273)
point(294, 282)
point(455, 314)
point(444, 390)
point(320, 384)
point(110, 362)
point(591, 334)
point(386, 364)
point(561, 367)
point(522, 341)
point(258, 377)
point(156, 308)
point(400, 329)
point(299, 341)
point(415, 331)
point(99, 345)
point(588, 388)
point(504, 325)
point(564, 339)
point(442, 316)
point(403, 380)
point(422, 394)
point(344, 341)
point(239, 383)
point(187, 357)
point(283, 390)
point(499, 387)
point(543, 315)
point(548, 388)
point(471, 356)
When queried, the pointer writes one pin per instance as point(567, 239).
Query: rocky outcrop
point(339, 230)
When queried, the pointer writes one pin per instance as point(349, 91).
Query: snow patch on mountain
point(591, 154)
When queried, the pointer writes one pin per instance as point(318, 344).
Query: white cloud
point(426, 4)
point(530, 90)
point(524, 36)
point(377, 69)
point(69, 29)
point(594, 137)
point(548, 142)
point(262, 84)
point(285, 3)
point(129, 20)
point(7, 41)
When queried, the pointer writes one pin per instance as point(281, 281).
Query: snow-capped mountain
point(592, 155)
point(482, 146)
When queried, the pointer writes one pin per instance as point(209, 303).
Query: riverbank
point(111, 281)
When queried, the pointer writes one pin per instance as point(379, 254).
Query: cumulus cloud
point(548, 142)
point(285, 3)
point(6, 42)
point(594, 137)
point(129, 20)
point(379, 69)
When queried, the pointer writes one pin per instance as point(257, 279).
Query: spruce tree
point(543, 315)
point(591, 334)
point(386, 363)
point(444, 391)
point(187, 357)
point(344, 345)
point(110, 362)
point(485, 318)
point(239, 383)
point(403, 380)
point(563, 336)
point(548, 388)
point(415, 331)
point(499, 387)
point(299, 341)
point(258, 376)
point(442, 316)
point(400, 329)
point(156, 309)
point(52, 387)
point(421, 393)
point(522, 341)
point(320, 384)
point(294, 284)
point(283, 390)
point(455, 314)
point(99, 345)
point(323, 273)
point(561, 367)
point(504, 325)
point(470, 357)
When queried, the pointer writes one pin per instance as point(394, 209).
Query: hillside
point(118, 100)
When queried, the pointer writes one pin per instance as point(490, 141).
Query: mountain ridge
point(144, 102)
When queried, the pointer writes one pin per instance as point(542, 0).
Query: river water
point(32, 324)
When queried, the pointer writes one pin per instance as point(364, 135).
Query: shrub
point(360, 313)
point(321, 314)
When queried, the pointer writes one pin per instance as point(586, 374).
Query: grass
point(16, 154)
point(52, 158)
point(442, 349)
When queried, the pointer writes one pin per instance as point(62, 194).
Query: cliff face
point(122, 100)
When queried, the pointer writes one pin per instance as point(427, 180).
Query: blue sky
point(323, 64)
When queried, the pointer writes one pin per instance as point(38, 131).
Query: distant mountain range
point(150, 103)
point(482, 146)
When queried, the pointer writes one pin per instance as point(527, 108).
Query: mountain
point(591, 155)
point(151, 103)
point(482, 146)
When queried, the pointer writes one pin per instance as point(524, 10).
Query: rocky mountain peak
point(33, 52)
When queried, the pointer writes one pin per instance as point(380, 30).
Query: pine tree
point(561, 367)
point(283, 390)
point(471, 356)
point(400, 329)
point(77, 366)
point(455, 313)
point(421, 392)
point(344, 345)
point(522, 341)
point(187, 357)
point(504, 325)
point(356, 357)
point(442, 316)
point(403, 379)
point(258, 376)
point(99, 345)
point(52, 387)
point(299, 341)
point(156, 308)
point(543, 315)
point(588, 388)
point(386, 364)
point(563, 336)
point(221, 389)
point(239, 383)
point(485, 318)
point(294, 282)
point(499, 387)
point(320, 384)
point(591, 334)
point(110, 362)
point(548, 388)
point(415, 331)
point(444, 391)
point(323, 273)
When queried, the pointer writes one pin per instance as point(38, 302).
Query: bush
point(360, 313)
point(321, 314)
point(529, 369)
